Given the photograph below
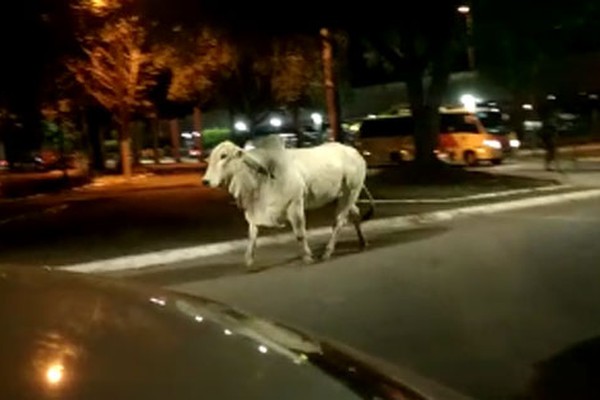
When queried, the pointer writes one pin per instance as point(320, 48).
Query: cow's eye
point(223, 156)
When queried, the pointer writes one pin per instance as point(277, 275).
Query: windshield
point(418, 182)
point(493, 121)
point(457, 123)
point(386, 127)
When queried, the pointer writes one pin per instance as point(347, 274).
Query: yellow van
point(386, 141)
point(498, 124)
point(464, 139)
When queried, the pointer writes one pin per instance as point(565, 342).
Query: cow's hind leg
point(356, 219)
point(341, 216)
point(252, 237)
point(298, 222)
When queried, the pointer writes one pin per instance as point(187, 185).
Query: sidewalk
point(21, 184)
point(574, 149)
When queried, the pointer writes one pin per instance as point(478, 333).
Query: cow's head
point(225, 161)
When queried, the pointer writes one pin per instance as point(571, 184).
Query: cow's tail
point(371, 210)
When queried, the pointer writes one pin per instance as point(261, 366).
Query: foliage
point(526, 47)
point(117, 69)
point(213, 136)
point(195, 62)
point(295, 70)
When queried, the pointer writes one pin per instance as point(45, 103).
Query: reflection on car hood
point(68, 336)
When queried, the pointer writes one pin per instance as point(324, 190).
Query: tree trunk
point(125, 146)
point(136, 142)
point(425, 105)
point(198, 128)
point(174, 126)
point(297, 127)
point(155, 129)
point(329, 83)
point(97, 145)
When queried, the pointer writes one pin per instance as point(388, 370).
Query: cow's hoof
point(308, 259)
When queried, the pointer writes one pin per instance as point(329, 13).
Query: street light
point(316, 118)
point(276, 122)
point(241, 126)
point(469, 102)
point(466, 11)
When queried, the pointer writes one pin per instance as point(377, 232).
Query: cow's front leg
point(252, 237)
point(298, 222)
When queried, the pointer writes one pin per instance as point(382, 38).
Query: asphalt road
point(108, 222)
point(473, 304)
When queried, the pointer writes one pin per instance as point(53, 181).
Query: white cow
point(274, 185)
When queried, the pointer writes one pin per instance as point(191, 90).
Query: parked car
point(70, 336)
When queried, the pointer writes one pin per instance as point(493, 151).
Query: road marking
point(409, 221)
point(481, 196)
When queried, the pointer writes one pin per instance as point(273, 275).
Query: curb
point(408, 221)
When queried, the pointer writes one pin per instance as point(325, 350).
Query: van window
point(386, 127)
point(450, 123)
point(494, 121)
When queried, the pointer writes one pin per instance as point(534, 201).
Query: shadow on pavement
point(207, 270)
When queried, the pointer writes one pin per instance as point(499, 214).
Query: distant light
point(241, 126)
point(199, 318)
point(263, 349)
point(186, 135)
point(495, 110)
point(98, 3)
point(276, 122)
point(515, 143)
point(464, 9)
point(371, 116)
point(527, 106)
point(158, 301)
point(469, 102)
point(228, 332)
point(54, 373)
point(316, 118)
point(196, 134)
point(551, 97)
point(593, 96)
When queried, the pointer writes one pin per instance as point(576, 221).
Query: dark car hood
point(69, 336)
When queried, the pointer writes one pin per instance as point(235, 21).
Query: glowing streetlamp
point(276, 122)
point(466, 11)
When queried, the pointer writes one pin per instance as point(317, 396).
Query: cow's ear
point(239, 153)
point(256, 165)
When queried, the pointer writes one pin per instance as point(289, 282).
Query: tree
point(528, 51)
point(421, 48)
point(117, 70)
point(294, 69)
point(196, 62)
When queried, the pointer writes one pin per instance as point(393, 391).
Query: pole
point(329, 83)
